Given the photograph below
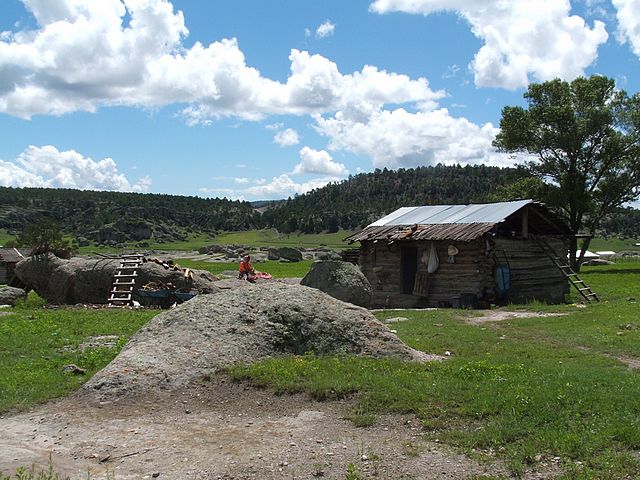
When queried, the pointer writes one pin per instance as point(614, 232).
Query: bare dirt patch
point(632, 362)
point(501, 315)
point(223, 430)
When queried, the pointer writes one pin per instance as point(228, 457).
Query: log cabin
point(465, 255)
point(9, 257)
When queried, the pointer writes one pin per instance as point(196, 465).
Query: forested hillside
point(363, 198)
point(113, 218)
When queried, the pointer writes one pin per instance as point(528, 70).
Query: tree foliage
point(44, 236)
point(87, 213)
point(583, 138)
point(363, 198)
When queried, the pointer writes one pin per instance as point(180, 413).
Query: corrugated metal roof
point(10, 255)
point(448, 214)
point(440, 222)
point(464, 232)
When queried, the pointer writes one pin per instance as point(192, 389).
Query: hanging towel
point(434, 262)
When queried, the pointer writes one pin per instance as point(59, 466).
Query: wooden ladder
point(563, 265)
point(124, 280)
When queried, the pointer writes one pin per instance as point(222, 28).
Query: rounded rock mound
point(88, 280)
point(341, 280)
point(244, 324)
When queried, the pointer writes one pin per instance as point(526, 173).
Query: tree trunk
point(573, 247)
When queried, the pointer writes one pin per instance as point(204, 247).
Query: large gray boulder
point(244, 324)
point(341, 280)
point(88, 280)
point(10, 295)
point(288, 254)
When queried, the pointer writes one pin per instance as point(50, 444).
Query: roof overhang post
point(525, 222)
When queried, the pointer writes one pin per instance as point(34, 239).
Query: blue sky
point(265, 99)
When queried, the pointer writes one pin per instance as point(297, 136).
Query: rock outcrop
point(10, 295)
point(82, 280)
point(341, 280)
point(244, 324)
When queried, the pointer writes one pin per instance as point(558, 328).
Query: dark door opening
point(408, 268)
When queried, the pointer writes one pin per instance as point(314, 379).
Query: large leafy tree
point(583, 138)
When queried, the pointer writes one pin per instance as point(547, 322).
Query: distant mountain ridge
point(112, 218)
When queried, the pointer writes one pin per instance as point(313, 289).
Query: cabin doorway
point(408, 268)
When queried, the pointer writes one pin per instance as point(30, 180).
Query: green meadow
point(536, 393)
point(36, 343)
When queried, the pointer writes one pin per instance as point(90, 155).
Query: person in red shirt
point(246, 270)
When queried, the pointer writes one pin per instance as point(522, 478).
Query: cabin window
point(408, 268)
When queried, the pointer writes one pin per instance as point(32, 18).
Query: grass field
point(251, 238)
point(271, 237)
point(615, 244)
point(531, 391)
point(5, 237)
point(267, 238)
point(275, 268)
point(35, 343)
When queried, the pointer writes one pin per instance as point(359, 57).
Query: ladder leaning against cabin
point(124, 280)
point(563, 265)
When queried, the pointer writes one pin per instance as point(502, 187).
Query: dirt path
point(500, 315)
point(223, 430)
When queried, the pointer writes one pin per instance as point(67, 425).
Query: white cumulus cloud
point(521, 37)
point(400, 138)
point(325, 29)
point(48, 167)
point(628, 14)
point(283, 186)
point(286, 138)
point(86, 54)
point(319, 163)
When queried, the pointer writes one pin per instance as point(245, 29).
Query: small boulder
point(10, 295)
point(341, 280)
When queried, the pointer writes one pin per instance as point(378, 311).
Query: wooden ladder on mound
point(124, 280)
point(563, 265)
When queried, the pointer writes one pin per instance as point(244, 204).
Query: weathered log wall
point(4, 273)
point(471, 273)
point(533, 275)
